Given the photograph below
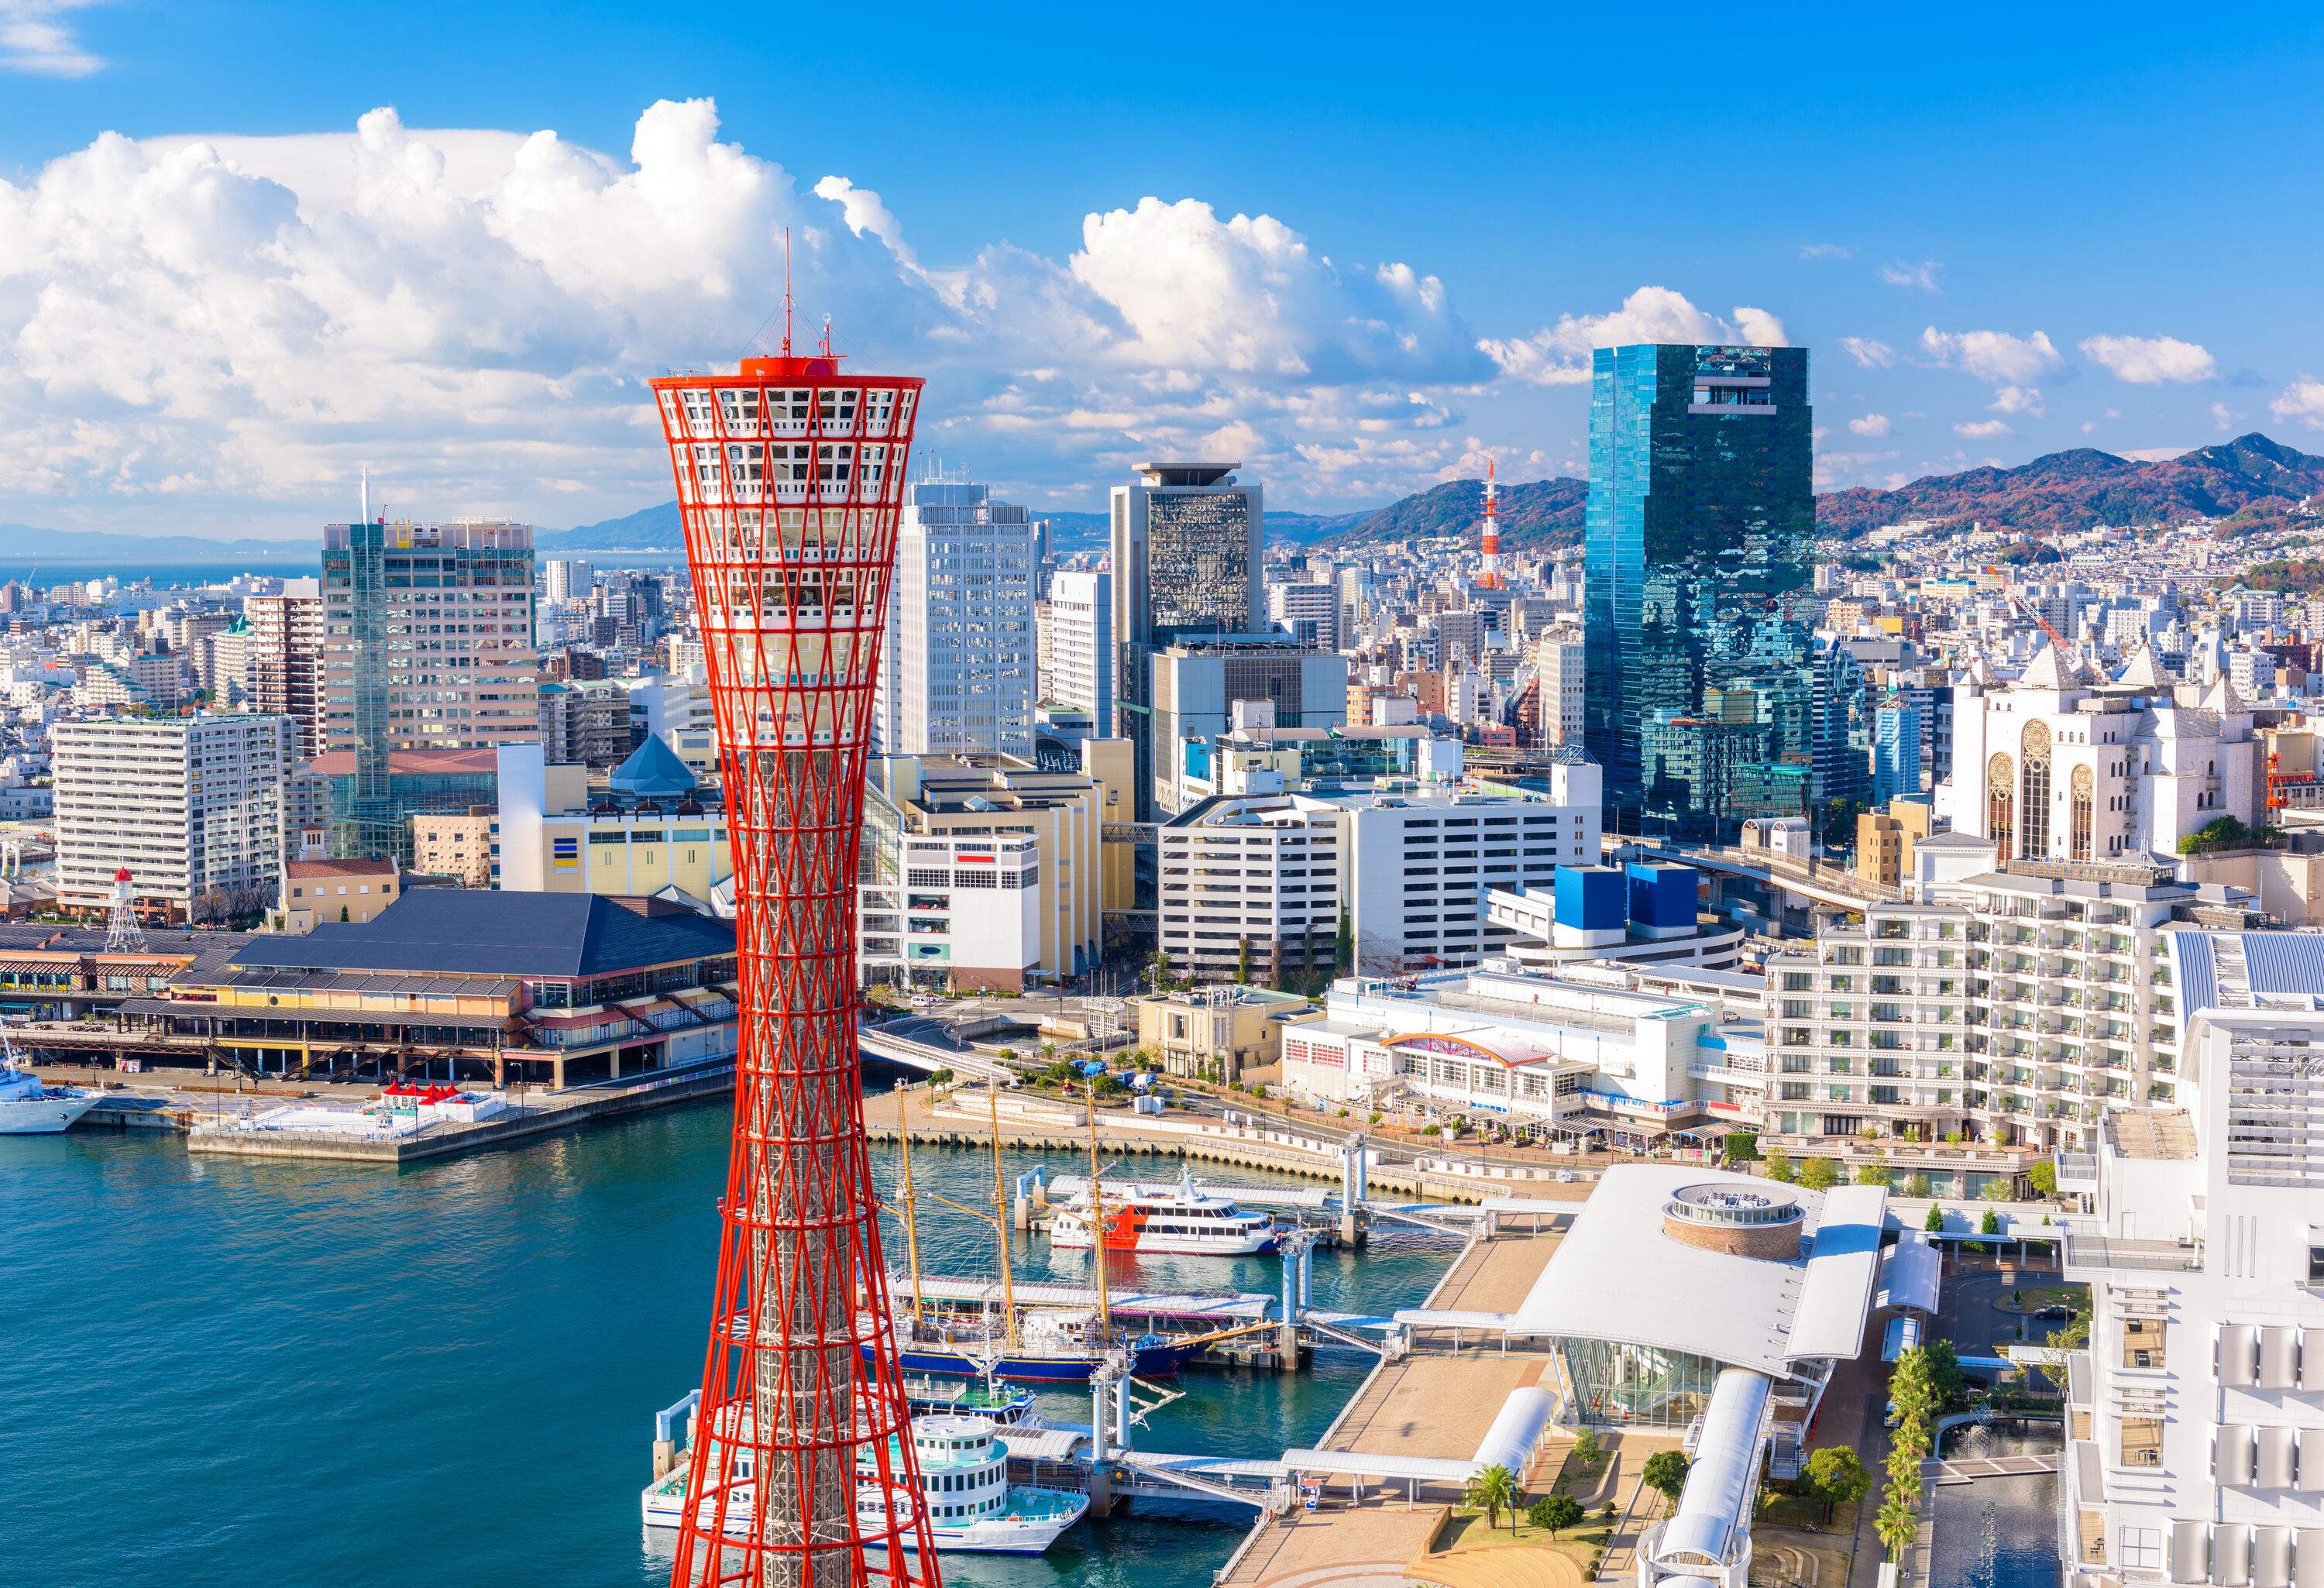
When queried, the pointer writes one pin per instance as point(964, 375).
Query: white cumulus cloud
point(1980, 429)
point(2025, 400)
point(2303, 400)
point(2149, 361)
point(1559, 355)
point(1992, 355)
point(1868, 353)
point(230, 326)
point(1871, 424)
point(1920, 277)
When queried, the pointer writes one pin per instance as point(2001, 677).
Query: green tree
point(1343, 946)
point(1820, 1174)
point(1935, 1223)
point(2042, 1176)
point(1242, 961)
point(1991, 1224)
point(1494, 1489)
point(1916, 1184)
point(1873, 1171)
point(1588, 1453)
point(1740, 1146)
point(1665, 1471)
point(1776, 1164)
point(1158, 969)
point(1836, 1475)
point(1946, 1381)
point(1556, 1513)
point(1839, 823)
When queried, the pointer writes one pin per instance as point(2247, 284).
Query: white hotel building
point(2196, 1414)
point(2013, 1013)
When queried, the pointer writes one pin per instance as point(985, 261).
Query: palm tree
point(1494, 1489)
point(1895, 1523)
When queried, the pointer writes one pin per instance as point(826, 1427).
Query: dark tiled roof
point(468, 931)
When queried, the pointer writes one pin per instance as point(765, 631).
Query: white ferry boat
point(28, 1107)
point(963, 1461)
point(1180, 1219)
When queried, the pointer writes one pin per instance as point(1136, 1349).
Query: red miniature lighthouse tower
point(790, 478)
point(1488, 564)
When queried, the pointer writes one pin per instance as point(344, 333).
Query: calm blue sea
point(297, 560)
point(222, 1371)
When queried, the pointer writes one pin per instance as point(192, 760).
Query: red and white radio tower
point(1488, 564)
point(790, 477)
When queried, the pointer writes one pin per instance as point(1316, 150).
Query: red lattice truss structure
point(801, 1475)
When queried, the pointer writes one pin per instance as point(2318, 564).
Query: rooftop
point(472, 932)
point(300, 868)
point(1618, 1275)
point(2151, 1133)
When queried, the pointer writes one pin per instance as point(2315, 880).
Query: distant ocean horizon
point(297, 562)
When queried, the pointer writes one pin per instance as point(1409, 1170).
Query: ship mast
point(1097, 1223)
point(911, 1220)
point(1000, 1217)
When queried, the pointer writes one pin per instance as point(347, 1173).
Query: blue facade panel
point(1662, 895)
point(1590, 896)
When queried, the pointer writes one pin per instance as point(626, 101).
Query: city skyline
point(462, 309)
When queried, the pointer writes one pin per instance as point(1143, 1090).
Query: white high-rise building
point(2195, 1414)
point(958, 675)
point(566, 578)
point(1559, 662)
point(1308, 613)
point(1081, 644)
point(192, 806)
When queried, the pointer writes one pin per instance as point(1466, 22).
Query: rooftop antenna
point(825, 347)
point(366, 494)
point(787, 292)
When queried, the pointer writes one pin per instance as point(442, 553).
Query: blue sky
point(1375, 253)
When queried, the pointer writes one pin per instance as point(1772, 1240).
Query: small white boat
point(1180, 1219)
point(30, 1108)
point(963, 1461)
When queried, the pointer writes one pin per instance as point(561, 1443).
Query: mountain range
point(2251, 482)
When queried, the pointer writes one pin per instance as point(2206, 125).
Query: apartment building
point(193, 806)
point(2013, 1013)
point(282, 662)
point(2196, 1412)
point(1560, 663)
point(1250, 889)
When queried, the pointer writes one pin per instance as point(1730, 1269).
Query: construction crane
point(2065, 647)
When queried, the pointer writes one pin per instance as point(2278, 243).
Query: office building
point(1416, 866)
point(282, 664)
point(976, 801)
point(1307, 614)
point(2195, 1412)
point(592, 725)
point(192, 806)
point(1221, 1032)
point(1697, 550)
point(1561, 665)
point(566, 578)
point(1884, 840)
point(1200, 689)
point(957, 676)
point(1081, 669)
point(650, 830)
point(1186, 540)
point(1250, 890)
point(428, 646)
point(1896, 752)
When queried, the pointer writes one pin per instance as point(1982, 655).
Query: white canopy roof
point(1714, 1509)
point(1618, 1276)
point(1910, 1274)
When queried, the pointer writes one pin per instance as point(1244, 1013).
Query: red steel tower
point(1489, 563)
point(789, 475)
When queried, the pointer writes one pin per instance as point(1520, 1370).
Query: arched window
point(2034, 801)
point(2001, 806)
point(2085, 799)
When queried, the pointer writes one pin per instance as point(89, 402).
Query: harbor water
point(225, 1371)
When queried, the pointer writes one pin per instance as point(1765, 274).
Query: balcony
point(2076, 1171)
point(2088, 1247)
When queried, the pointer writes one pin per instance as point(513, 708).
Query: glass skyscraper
point(1697, 557)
